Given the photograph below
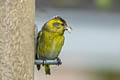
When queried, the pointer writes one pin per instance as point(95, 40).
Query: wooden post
point(17, 39)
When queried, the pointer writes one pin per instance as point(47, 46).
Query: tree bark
point(17, 39)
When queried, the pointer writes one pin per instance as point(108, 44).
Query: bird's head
point(57, 25)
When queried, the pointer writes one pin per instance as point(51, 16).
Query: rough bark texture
point(16, 39)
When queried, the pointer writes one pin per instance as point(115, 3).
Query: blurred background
point(92, 50)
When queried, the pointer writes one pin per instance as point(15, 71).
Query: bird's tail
point(47, 69)
point(38, 66)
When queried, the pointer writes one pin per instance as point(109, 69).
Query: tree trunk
point(17, 39)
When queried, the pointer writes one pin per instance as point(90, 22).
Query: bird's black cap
point(58, 17)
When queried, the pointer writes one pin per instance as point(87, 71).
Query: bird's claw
point(43, 63)
point(59, 61)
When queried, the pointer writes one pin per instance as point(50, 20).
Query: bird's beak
point(68, 28)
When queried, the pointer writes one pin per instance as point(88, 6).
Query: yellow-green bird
point(50, 40)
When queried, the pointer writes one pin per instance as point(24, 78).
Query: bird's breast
point(51, 46)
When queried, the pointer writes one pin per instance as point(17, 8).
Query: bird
point(50, 40)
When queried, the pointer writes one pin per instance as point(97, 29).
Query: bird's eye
point(62, 24)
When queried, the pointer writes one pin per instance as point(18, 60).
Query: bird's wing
point(39, 37)
point(38, 42)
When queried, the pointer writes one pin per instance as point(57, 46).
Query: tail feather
point(38, 67)
point(47, 69)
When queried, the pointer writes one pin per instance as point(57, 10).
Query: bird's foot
point(43, 63)
point(59, 61)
